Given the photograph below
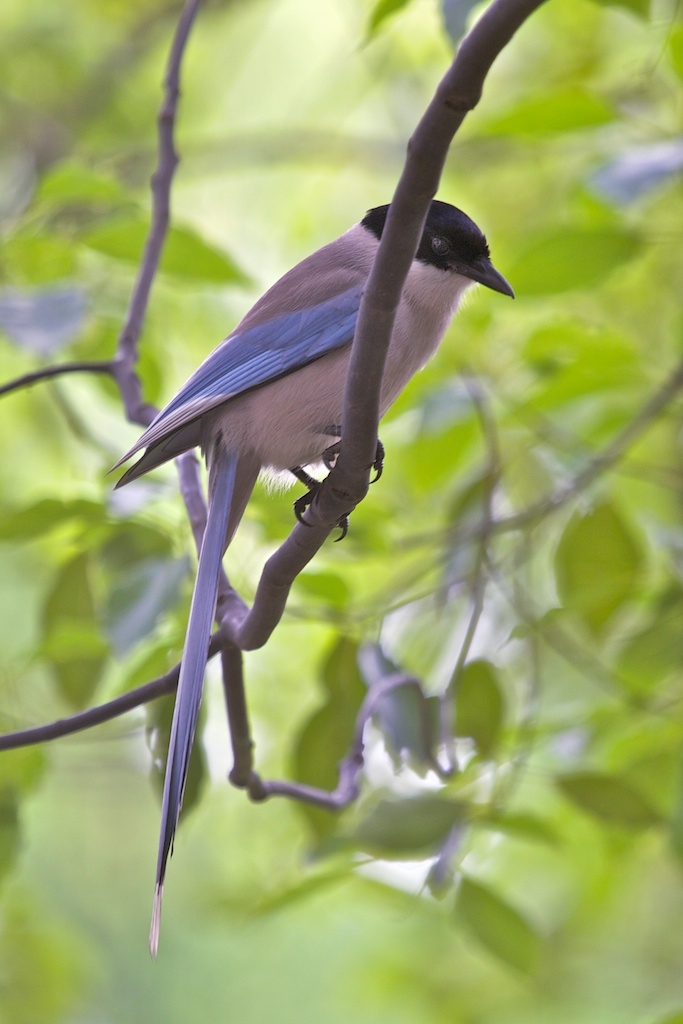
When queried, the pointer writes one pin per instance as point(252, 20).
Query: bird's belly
point(284, 423)
point(287, 423)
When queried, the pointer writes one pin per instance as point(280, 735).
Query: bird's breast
point(284, 423)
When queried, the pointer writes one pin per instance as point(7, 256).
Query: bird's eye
point(440, 245)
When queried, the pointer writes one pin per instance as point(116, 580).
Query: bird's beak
point(483, 272)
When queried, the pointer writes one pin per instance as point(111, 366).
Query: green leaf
point(574, 358)
point(140, 596)
point(318, 879)
point(144, 581)
point(381, 11)
point(73, 640)
point(497, 925)
point(479, 706)
point(599, 565)
point(70, 183)
point(325, 586)
point(21, 769)
point(185, 254)
point(408, 828)
point(48, 514)
point(676, 49)
point(37, 259)
point(409, 721)
point(326, 737)
point(10, 831)
point(608, 798)
point(407, 718)
point(572, 258)
point(521, 826)
point(551, 112)
point(641, 8)
point(71, 633)
point(654, 653)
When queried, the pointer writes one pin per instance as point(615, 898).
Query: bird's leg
point(329, 457)
point(305, 478)
point(302, 503)
point(330, 454)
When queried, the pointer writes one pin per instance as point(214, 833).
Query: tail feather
point(164, 450)
point(193, 665)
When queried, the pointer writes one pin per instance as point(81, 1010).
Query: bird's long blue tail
point(193, 665)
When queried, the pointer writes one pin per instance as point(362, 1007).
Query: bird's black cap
point(450, 241)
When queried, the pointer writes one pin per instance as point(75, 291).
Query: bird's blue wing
point(257, 355)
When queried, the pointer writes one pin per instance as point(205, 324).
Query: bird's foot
point(330, 454)
point(329, 457)
point(302, 503)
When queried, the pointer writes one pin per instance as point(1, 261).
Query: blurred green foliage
point(541, 882)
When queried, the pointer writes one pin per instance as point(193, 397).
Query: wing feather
point(255, 356)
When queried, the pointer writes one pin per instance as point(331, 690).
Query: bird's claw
point(302, 503)
point(378, 464)
point(329, 457)
point(330, 454)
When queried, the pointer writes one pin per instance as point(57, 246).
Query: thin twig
point(127, 347)
point(347, 788)
point(93, 716)
point(29, 379)
point(103, 712)
point(448, 703)
point(601, 463)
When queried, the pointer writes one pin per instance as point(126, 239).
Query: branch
point(93, 716)
point(457, 94)
point(478, 577)
point(103, 712)
point(122, 367)
point(601, 463)
point(347, 484)
point(347, 788)
point(127, 348)
point(28, 379)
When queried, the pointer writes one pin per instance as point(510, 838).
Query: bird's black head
point(451, 241)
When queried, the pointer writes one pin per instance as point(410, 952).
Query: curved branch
point(103, 712)
point(127, 347)
point(458, 93)
point(601, 463)
point(28, 379)
point(93, 716)
point(348, 787)
point(347, 483)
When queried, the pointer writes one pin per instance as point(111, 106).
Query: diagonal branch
point(103, 712)
point(127, 348)
point(29, 379)
point(458, 93)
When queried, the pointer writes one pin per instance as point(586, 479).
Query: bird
point(270, 397)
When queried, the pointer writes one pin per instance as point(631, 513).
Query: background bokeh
point(542, 883)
